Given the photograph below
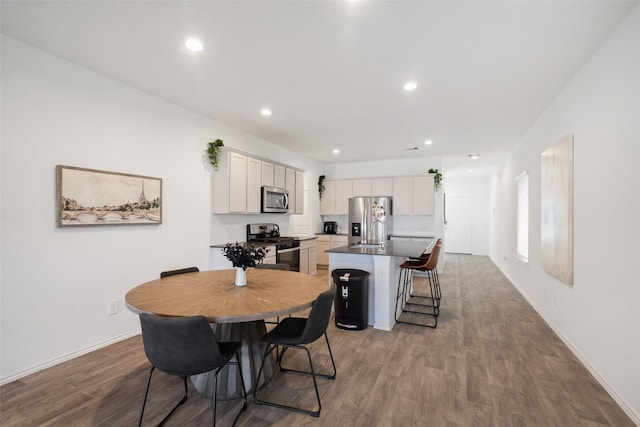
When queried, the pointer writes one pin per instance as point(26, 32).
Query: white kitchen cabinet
point(230, 183)
point(335, 200)
point(267, 174)
point(323, 243)
point(308, 262)
point(337, 241)
point(236, 185)
point(344, 191)
point(423, 195)
point(402, 194)
point(361, 188)
point(254, 179)
point(328, 200)
point(270, 258)
point(290, 185)
point(381, 187)
point(279, 176)
point(413, 195)
point(299, 193)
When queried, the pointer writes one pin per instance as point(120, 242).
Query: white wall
point(56, 282)
point(477, 189)
point(598, 315)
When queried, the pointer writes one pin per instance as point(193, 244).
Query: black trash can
point(352, 298)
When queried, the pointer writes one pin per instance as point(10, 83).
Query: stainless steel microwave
point(275, 200)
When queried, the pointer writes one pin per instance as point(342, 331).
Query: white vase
point(241, 276)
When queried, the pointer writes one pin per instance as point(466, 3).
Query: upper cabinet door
point(279, 176)
point(267, 174)
point(300, 193)
point(290, 185)
point(402, 195)
point(423, 195)
point(361, 188)
point(328, 200)
point(381, 187)
point(237, 183)
point(344, 191)
point(254, 168)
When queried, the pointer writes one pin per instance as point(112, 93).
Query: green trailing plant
point(213, 150)
point(437, 178)
point(321, 185)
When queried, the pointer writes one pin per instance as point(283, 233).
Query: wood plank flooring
point(492, 361)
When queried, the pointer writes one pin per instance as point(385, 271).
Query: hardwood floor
point(492, 361)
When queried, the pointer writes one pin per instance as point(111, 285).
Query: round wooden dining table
point(236, 313)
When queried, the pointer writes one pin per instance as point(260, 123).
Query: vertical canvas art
point(557, 210)
point(93, 197)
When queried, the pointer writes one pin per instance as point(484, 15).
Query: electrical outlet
point(113, 307)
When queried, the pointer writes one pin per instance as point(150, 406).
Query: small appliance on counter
point(330, 227)
point(370, 220)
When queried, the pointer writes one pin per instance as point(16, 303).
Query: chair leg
point(404, 294)
point(327, 376)
point(146, 393)
point(257, 401)
point(244, 390)
point(402, 289)
point(214, 400)
point(184, 399)
point(432, 295)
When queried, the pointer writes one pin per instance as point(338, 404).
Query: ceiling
point(333, 72)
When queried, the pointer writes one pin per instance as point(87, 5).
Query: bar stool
point(428, 266)
point(434, 281)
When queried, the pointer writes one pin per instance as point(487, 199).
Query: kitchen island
point(382, 262)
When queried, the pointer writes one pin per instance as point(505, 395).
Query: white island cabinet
point(383, 265)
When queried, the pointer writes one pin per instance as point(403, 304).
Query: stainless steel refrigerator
point(370, 220)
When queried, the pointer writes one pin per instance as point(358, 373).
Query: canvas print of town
point(92, 197)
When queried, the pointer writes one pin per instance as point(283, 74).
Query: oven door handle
point(284, 251)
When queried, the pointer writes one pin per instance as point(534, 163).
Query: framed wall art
point(94, 197)
point(557, 210)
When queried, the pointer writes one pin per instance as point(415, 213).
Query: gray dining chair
point(180, 271)
point(297, 332)
point(185, 346)
point(273, 266)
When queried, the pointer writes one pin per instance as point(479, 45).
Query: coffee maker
point(330, 227)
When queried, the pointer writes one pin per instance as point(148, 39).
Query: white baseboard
point(58, 360)
point(585, 362)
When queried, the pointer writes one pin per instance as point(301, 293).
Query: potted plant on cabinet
point(213, 150)
point(437, 178)
point(321, 185)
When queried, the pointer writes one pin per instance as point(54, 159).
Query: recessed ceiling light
point(428, 142)
point(469, 170)
point(474, 156)
point(336, 151)
point(409, 86)
point(265, 112)
point(194, 44)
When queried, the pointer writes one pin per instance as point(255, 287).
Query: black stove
point(270, 233)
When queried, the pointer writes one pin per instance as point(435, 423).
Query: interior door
point(458, 229)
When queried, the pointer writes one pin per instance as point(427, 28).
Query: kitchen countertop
point(306, 237)
point(395, 248)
